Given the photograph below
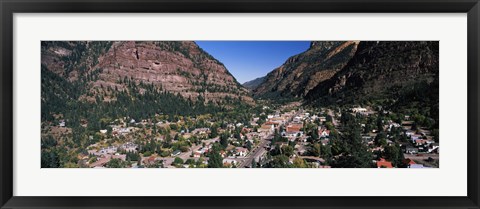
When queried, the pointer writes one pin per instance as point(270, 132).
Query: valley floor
point(286, 136)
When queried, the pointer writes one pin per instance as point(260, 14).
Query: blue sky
point(247, 60)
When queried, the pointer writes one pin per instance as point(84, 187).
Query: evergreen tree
point(224, 140)
point(215, 160)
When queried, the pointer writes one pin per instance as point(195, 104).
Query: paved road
point(421, 157)
point(254, 154)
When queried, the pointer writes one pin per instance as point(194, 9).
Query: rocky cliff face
point(402, 71)
point(177, 67)
point(303, 72)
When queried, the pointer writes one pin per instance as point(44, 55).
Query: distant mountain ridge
point(254, 83)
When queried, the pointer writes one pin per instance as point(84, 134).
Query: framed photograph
point(239, 104)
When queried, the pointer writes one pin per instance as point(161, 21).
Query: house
point(124, 131)
point(409, 133)
point(411, 150)
point(396, 125)
point(205, 149)
point(92, 152)
point(149, 161)
point(292, 135)
point(302, 138)
point(297, 119)
point(176, 152)
point(223, 154)
point(103, 131)
point(108, 150)
point(201, 131)
point(197, 154)
point(323, 132)
point(377, 149)
point(382, 163)
point(266, 129)
point(415, 136)
point(274, 123)
point(278, 120)
point(425, 132)
point(420, 142)
point(294, 127)
point(322, 119)
point(359, 110)
point(416, 166)
point(62, 123)
point(241, 151)
point(101, 161)
point(227, 162)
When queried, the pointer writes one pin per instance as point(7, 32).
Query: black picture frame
point(9, 7)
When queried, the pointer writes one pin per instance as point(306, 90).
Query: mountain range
point(403, 73)
point(177, 67)
point(328, 72)
point(303, 72)
point(95, 81)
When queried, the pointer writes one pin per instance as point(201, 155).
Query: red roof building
point(294, 127)
point(382, 163)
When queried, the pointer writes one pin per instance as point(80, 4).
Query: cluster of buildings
point(420, 141)
point(290, 125)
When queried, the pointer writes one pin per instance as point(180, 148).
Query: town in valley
point(286, 137)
